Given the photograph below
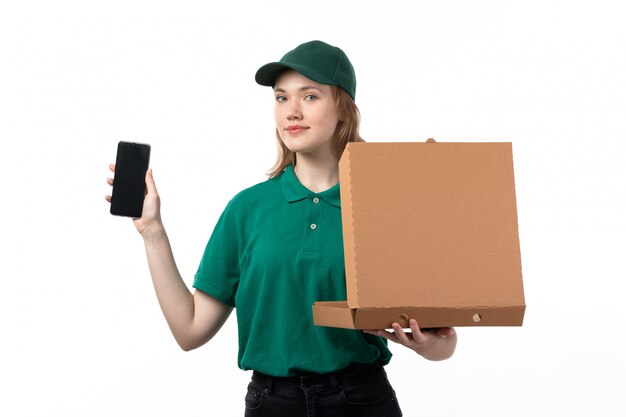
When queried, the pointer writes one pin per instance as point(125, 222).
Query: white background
point(82, 333)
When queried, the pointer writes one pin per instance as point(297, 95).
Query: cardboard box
point(430, 233)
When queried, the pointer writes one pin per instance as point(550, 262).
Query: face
point(305, 113)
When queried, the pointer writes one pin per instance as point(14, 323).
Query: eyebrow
point(304, 88)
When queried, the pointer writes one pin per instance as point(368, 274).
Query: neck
point(317, 174)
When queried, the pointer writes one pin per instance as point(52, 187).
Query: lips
point(296, 129)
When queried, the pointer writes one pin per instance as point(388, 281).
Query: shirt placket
point(313, 224)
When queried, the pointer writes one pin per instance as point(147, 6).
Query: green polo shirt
point(276, 249)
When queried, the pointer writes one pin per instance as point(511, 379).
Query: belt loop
point(334, 381)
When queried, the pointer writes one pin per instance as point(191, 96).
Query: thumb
point(444, 332)
point(150, 185)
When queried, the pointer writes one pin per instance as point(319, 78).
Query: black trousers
point(360, 390)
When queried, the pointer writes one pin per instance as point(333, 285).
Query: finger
point(402, 337)
point(110, 181)
point(107, 198)
point(112, 167)
point(418, 336)
point(387, 335)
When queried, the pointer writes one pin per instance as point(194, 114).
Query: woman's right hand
point(150, 220)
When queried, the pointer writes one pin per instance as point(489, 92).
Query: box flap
point(430, 225)
point(333, 314)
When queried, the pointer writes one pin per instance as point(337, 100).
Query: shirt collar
point(295, 191)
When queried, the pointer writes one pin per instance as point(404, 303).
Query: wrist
point(153, 232)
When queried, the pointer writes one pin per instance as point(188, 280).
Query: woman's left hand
point(433, 344)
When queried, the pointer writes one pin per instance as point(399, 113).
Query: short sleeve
point(218, 273)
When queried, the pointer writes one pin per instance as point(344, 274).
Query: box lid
point(430, 225)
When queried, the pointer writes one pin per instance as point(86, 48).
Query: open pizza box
point(430, 233)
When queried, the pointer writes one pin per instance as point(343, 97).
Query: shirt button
point(313, 226)
point(316, 200)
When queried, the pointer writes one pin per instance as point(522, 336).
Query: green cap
point(316, 60)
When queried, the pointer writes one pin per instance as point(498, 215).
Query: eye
point(310, 97)
point(281, 99)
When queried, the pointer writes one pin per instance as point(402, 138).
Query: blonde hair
point(347, 131)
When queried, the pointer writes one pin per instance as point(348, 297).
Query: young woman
point(276, 249)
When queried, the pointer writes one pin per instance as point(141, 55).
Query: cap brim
point(267, 74)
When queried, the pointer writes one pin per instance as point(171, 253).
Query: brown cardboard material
point(430, 233)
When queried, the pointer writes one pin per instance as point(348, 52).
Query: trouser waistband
point(354, 370)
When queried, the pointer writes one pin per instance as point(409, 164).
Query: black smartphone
point(129, 182)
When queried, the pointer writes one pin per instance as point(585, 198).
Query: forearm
point(174, 297)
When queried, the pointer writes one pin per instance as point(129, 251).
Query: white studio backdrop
point(82, 333)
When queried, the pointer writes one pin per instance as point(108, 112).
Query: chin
point(297, 148)
point(302, 147)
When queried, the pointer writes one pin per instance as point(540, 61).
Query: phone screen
point(129, 182)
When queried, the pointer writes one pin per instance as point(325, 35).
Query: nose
point(293, 111)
